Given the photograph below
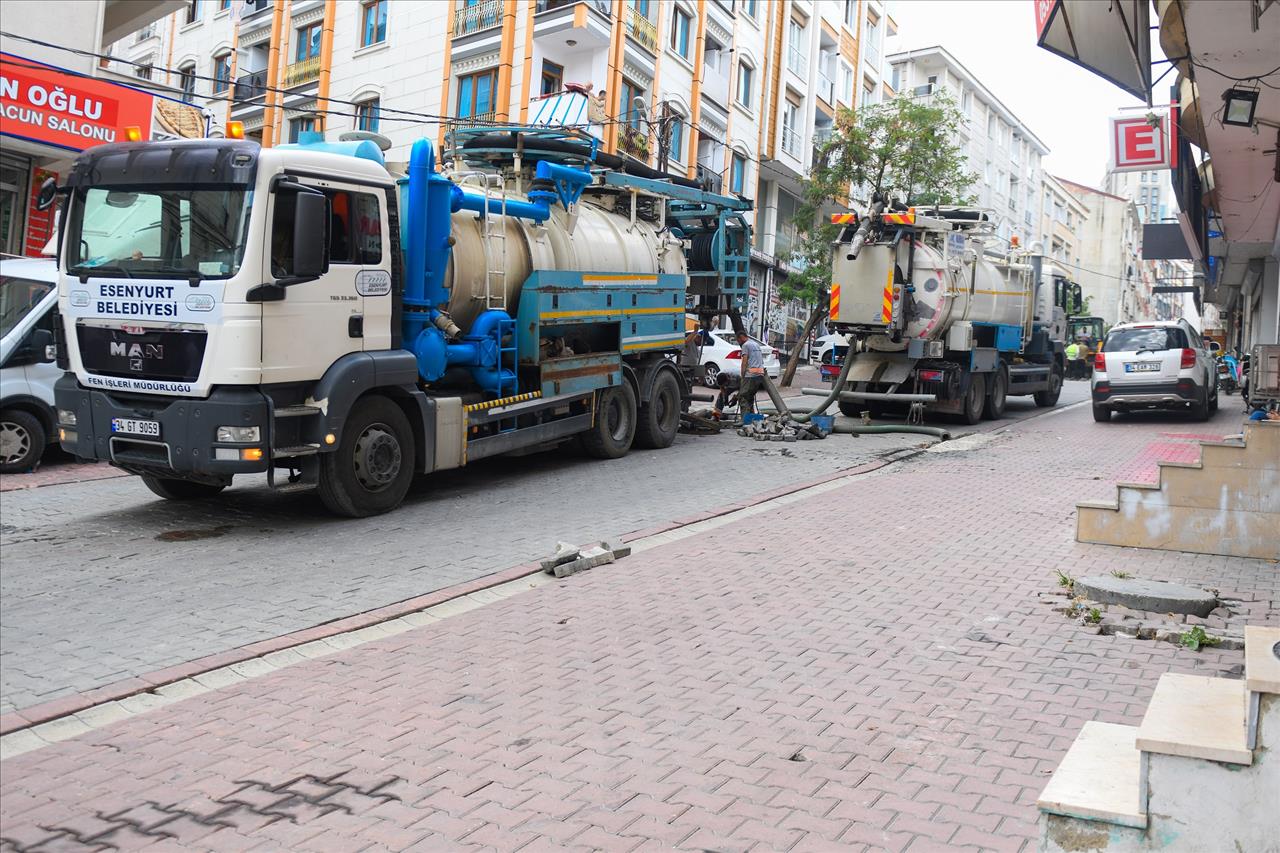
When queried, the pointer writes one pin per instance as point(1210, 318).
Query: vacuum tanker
point(307, 312)
point(934, 318)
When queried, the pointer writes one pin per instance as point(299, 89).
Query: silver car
point(1156, 365)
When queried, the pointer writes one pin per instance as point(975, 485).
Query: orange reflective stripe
point(843, 218)
point(886, 303)
point(835, 301)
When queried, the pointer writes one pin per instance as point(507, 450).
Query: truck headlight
point(236, 434)
point(66, 417)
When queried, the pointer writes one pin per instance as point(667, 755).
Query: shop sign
point(47, 104)
point(1139, 143)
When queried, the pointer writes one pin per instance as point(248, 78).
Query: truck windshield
point(154, 232)
point(18, 296)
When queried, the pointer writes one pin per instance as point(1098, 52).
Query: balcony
point(300, 73)
point(791, 141)
point(482, 16)
point(798, 62)
point(634, 142)
point(826, 88)
point(601, 6)
point(642, 30)
point(477, 120)
point(715, 85)
point(250, 86)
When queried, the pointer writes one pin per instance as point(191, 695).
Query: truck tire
point(22, 441)
point(180, 490)
point(850, 409)
point(614, 429)
point(997, 398)
point(372, 469)
point(1049, 397)
point(658, 420)
point(975, 399)
point(1101, 414)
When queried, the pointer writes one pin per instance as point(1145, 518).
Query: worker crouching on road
point(752, 373)
point(727, 396)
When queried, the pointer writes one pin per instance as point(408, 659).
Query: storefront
point(47, 116)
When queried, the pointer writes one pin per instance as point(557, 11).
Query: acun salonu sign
point(45, 105)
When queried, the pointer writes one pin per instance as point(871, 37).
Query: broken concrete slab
point(1152, 596)
point(564, 553)
point(590, 558)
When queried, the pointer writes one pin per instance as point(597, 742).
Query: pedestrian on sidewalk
point(752, 373)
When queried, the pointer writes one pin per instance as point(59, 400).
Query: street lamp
point(1241, 104)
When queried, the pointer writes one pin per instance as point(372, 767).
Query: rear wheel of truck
point(615, 426)
point(974, 399)
point(997, 396)
point(659, 420)
point(1049, 397)
point(372, 469)
point(181, 490)
point(22, 441)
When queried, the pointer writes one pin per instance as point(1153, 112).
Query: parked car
point(720, 351)
point(28, 299)
point(822, 347)
point(1154, 365)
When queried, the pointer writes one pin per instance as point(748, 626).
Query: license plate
point(1142, 367)
point(129, 426)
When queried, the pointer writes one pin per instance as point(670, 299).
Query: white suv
point(1162, 364)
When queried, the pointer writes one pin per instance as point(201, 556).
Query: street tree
point(906, 149)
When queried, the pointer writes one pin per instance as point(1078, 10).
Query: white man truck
point(933, 318)
point(304, 312)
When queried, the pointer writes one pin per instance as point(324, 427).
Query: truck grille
point(168, 354)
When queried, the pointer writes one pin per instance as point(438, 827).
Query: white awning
point(1111, 38)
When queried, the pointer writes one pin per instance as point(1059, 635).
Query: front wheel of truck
point(372, 469)
point(181, 490)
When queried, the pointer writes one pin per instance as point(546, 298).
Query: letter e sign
point(1137, 145)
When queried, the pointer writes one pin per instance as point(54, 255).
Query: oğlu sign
point(46, 104)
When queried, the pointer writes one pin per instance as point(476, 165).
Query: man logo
point(137, 351)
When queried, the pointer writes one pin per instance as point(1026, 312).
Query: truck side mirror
point(310, 235)
point(41, 347)
point(48, 192)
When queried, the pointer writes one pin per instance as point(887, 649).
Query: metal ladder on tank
point(493, 231)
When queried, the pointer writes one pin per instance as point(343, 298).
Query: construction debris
point(779, 427)
point(570, 559)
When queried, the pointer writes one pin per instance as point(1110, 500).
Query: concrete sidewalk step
point(1100, 778)
point(1261, 660)
point(1197, 717)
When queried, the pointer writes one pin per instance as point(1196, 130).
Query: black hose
point(577, 149)
point(836, 388)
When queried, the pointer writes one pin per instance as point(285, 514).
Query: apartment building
point(1152, 191)
point(1110, 269)
point(1002, 151)
point(731, 93)
point(1062, 217)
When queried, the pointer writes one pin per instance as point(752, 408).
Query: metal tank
point(601, 241)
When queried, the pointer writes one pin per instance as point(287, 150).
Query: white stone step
point(1261, 664)
point(1100, 778)
point(1197, 717)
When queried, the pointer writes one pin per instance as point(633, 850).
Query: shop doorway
point(14, 174)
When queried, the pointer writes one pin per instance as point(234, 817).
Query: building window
point(851, 15)
point(475, 94)
point(675, 141)
point(749, 6)
point(641, 6)
point(308, 42)
point(373, 28)
point(367, 114)
point(552, 78)
point(745, 75)
point(224, 5)
point(632, 114)
point(680, 33)
point(796, 59)
point(868, 93)
point(895, 78)
point(991, 125)
point(299, 126)
point(966, 101)
point(193, 11)
point(871, 43)
point(221, 73)
point(790, 129)
point(738, 173)
point(846, 83)
point(187, 80)
point(142, 72)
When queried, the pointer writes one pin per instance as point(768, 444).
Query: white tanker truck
point(306, 312)
point(933, 318)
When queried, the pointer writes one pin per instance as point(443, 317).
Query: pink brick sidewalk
point(870, 667)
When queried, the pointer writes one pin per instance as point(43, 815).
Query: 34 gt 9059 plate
point(129, 426)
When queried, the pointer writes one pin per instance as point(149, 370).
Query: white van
point(28, 299)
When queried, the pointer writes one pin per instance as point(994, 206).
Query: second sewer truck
point(932, 318)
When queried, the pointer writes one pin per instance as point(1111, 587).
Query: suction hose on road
point(836, 388)
point(859, 429)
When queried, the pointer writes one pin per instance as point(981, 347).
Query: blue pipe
point(460, 199)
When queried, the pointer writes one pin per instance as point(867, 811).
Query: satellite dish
point(377, 139)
